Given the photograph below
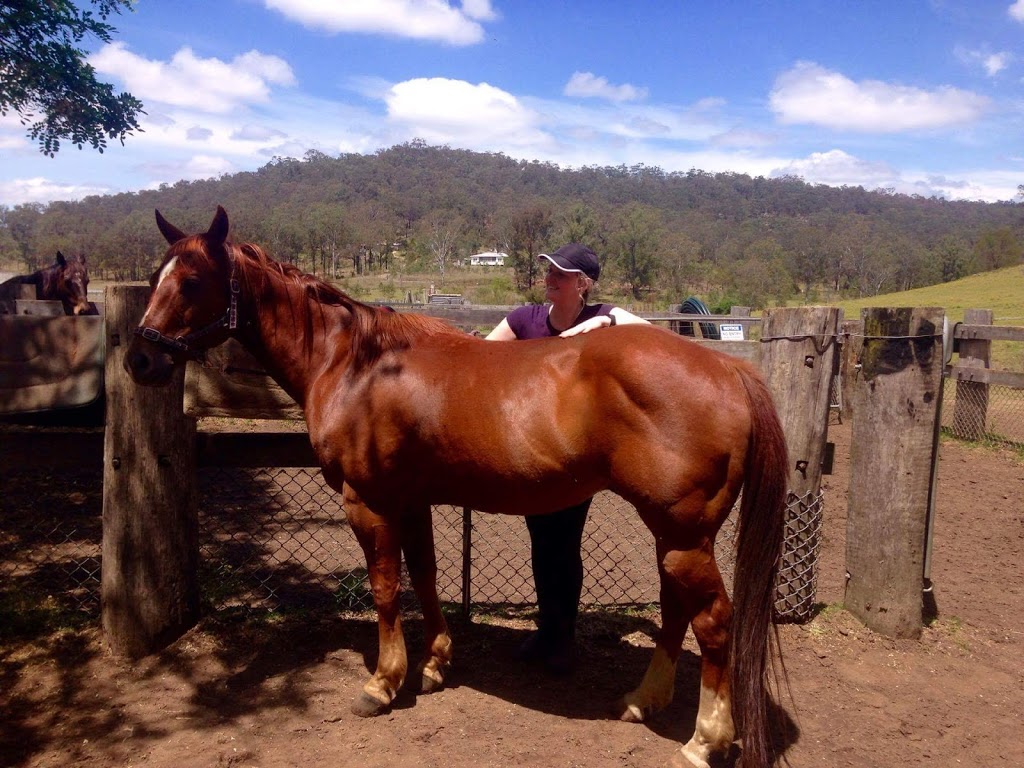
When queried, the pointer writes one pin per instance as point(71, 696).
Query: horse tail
point(754, 639)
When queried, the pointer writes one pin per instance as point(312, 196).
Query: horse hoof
point(431, 679)
point(630, 713)
point(429, 685)
point(367, 706)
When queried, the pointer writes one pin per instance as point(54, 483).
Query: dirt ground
point(278, 693)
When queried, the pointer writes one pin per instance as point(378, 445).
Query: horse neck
point(290, 332)
point(46, 281)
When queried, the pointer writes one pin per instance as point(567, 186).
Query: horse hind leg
point(420, 558)
point(379, 539)
point(692, 593)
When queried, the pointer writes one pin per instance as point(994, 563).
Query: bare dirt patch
point(277, 693)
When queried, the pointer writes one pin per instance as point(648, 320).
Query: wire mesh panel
point(796, 584)
point(976, 411)
point(619, 563)
point(276, 538)
point(50, 538)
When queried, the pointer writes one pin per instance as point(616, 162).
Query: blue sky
point(923, 98)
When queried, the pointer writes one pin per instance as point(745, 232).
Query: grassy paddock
point(1001, 290)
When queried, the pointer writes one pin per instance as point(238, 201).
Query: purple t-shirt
point(531, 321)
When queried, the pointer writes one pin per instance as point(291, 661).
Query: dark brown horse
point(66, 280)
point(392, 402)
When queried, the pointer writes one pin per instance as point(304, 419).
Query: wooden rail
point(988, 332)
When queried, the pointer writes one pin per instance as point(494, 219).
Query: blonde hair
point(587, 285)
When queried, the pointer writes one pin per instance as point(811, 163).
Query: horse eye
point(190, 285)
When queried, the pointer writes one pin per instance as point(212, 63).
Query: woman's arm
point(621, 317)
point(501, 332)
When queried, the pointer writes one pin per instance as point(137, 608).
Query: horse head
point(70, 283)
point(192, 306)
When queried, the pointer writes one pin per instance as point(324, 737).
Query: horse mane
point(374, 330)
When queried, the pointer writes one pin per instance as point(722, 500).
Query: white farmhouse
point(488, 259)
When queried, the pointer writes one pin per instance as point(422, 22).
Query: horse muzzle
point(147, 365)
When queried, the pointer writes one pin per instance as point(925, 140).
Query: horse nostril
point(138, 362)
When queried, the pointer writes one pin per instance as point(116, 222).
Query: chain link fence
point(991, 412)
point(50, 537)
point(277, 539)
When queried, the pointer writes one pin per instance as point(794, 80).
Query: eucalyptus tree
point(441, 233)
point(530, 230)
point(634, 248)
point(47, 81)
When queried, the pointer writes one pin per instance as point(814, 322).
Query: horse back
point(455, 411)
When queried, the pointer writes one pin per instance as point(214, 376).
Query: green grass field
point(1001, 290)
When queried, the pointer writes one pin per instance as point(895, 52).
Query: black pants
point(555, 541)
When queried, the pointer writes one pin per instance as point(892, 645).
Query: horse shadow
point(615, 649)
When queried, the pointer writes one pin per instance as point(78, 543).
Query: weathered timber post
point(149, 583)
point(970, 411)
point(896, 398)
point(852, 334)
point(799, 357)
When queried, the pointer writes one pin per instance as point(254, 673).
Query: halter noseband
point(183, 344)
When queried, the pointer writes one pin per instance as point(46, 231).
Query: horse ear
point(218, 231)
point(61, 260)
point(82, 259)
point(170, 232)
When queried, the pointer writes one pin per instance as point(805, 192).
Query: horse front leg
point(380, 539)
point(421, 560)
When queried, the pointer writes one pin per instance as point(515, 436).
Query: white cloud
point(997, 62)
point(811, 94)
point(208, 85)
point(42, 190)
point(463, 114)
point(13, 142)
point(738, 137)
point(837, 167)
point(588, 85)
point(992, 63)
point(418, 19)
point(643, 124)
point(191, 169)
point(198, 133)
point(257, 133)
point(479, 9)
point(1016, 11)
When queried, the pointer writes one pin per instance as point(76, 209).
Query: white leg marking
point(714, 730)
point(655, 690)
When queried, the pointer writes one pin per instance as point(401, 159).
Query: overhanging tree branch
point(46, 80)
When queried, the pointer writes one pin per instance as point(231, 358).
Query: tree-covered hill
point(660, 235)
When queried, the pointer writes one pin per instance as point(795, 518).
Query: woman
point(555, 539)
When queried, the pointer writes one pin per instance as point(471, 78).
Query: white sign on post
point(729, 332)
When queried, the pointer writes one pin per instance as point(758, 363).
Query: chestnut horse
point(66, 280)
point(394, 410)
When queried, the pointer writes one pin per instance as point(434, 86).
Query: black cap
point(574, 258)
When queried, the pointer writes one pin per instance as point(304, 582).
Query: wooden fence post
point(970, 410)
point(799, 357)
point(149, 581)
point(852, 333)
point(896, 398)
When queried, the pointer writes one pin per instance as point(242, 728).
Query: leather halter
point(183, 344)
